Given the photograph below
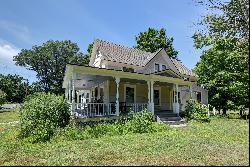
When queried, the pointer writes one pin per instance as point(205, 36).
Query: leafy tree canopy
point(224, 66)
point(49, 61)
point(152, 40)
point(15, 87)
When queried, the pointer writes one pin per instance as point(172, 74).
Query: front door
point(129, 97)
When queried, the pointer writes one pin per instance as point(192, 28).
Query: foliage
point(2, 97)
point(141, 122)
point(152, 40)
point(228, 18)
point(88, 55)
point(41, 115)
point(15, 87)
point(36, 87)
point(49, 62)
point(196, 111)
point(224, 65)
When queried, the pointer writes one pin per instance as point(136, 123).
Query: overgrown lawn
point(221, 142)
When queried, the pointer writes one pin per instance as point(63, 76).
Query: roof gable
point(121, 54)
point(117, 53)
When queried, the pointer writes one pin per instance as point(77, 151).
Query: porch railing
point(86, 110)
point(136, 107)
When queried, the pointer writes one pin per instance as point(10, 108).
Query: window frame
point(164, 66)
point(159, 89)
point(200, 96)
point(158, 67)
point(129, 86)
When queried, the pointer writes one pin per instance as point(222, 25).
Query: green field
point(223, 141)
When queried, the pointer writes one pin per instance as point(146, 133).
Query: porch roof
point(87, 70)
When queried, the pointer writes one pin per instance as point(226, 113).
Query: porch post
point(117, 80)
point(73, 95)
point(152, 96)
point(69, 86)
point(174, 100)
point(149, 100)
point(191, 91)
point(177, 102)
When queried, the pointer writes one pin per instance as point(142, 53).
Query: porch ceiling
point(86, 73)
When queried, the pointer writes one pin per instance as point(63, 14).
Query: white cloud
point(7, 50)
point(18, 31)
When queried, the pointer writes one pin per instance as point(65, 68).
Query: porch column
point(149, 100)
point(67, 92)
point(152, 97)
point(177, 102)
point(69, 86)
point(191, 91)
point(73, 95)
point(98, 91)
point(174, 100)
point(117, 80)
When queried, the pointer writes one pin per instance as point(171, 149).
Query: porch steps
point(169, 118)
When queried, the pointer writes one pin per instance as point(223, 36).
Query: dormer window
point(157, 67)
point(163, 67)
point(125, 69)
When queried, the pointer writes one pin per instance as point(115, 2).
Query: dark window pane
point(156, 97)
point(130, 94)
point(199, 97)
point(157, 67)
point(125, 69)
point(163, 67)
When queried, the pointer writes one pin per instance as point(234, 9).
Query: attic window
point(125, 69)
point(157, 67)
point(163, 67)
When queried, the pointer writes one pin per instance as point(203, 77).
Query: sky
point(25, 23)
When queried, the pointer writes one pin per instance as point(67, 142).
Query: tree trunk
point(224, 111)
point(241, 113)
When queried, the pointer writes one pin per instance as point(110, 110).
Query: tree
point(49, 61)
point(88, 55)
point(229, 19)
point(152, 40)
point(225, 75)
point(15, 87)
point(2, 97)
point(224, 66)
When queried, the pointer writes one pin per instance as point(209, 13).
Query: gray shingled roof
point(122, 54)
point(118, 53)
point(182, 69)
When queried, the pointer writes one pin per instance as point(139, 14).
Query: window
point(125, 69)
point(96, 92)
point(129, 94)
point(179, 97)
point(157, 67)
point(157, 97)
point(101, 94)
point(198, 96)
point(163, 67)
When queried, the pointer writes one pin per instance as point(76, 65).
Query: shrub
point(139, 122)
point(196, 111)
point(41, 115)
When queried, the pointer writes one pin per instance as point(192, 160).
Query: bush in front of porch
point(140, 122)
point(196, 111)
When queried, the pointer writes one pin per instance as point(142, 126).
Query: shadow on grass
point(6, 110)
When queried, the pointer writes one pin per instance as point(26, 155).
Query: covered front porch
point(93, 92)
